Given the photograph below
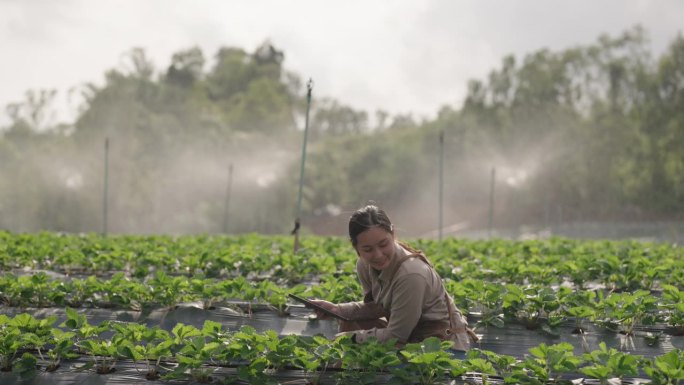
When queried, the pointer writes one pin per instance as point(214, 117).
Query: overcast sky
point(398, 55)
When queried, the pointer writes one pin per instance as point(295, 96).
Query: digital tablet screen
point(312, 305)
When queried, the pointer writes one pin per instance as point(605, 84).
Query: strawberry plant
point(200, 264)
point(336, 289)
point(147, 345)
point(489, 299)
point(304, 359)
point(210, 291)
point(17, 290)
point(21, 333)
point(274, 295)
point(575, 272)
point(628, 310)
point(182, 332)
point(69, 261)
point(314, 355)
point(291, 350)
point(605, 364)
point(503, 365)
point(427, 362)
point(76, 322)
point(328, 353)
point(673, 305)
point(279, 351)
point(362, 362)
point(192, 358)
point(580, 305)
point(195, 348)
point(10, 343)
point(103, 351)
point(532, 306)
point(628, 270)
point(121, 291)
point(460, 294)
point(74, 292)
point(168, 291)
point(243, 346)
point(62, 347)
point(26, 324)
point(667, 369)
point(26, 365)
point(547, 364)
point(482, 366)
point(35, 334)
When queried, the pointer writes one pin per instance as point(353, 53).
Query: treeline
point(593, 132)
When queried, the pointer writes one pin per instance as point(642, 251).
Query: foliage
point(189, 353)
point(428, 362)
point(629, 310)
point(591, 132)
point(666, 369)
point(550, 363)
point(605, 364)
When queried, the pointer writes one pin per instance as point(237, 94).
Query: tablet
point(312, 305)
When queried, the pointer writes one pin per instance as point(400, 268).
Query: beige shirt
point(405, 293)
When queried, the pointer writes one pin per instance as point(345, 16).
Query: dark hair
point(367, 217)
point(372, 216)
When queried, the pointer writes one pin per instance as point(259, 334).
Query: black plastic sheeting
point(232, 318)
point(513, 340)
point(127, 372)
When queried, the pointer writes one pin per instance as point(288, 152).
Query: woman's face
point(376, 247)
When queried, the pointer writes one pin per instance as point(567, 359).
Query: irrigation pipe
point(105, 196)
point(295, 232)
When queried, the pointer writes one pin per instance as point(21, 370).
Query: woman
point(403, 295)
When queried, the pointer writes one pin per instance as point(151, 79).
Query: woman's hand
point(326, 305)
point(349, 333)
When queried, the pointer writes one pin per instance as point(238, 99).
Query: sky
point(400, 56)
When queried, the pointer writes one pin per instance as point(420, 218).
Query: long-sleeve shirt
point(407, 291)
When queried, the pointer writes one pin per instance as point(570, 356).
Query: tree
point(35, 111)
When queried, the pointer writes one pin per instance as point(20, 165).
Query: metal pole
point(440, 224)
point(309, 87)
point(491, 202)
point(227, 204)
point(105, 199)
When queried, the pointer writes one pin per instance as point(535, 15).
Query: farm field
point(161, 309)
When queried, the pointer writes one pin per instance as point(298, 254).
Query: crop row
point(28, 344)
point(159, 291)
point(535, 306)
point(617, 265)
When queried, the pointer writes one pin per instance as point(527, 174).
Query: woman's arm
point(355, 311)
point(406, 308)
point(359, 310)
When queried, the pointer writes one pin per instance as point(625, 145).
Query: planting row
point(617, 266)
point(539, 306)
point(140, 256)
point(161, 290)
point(28, 344)
point(535, 306)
